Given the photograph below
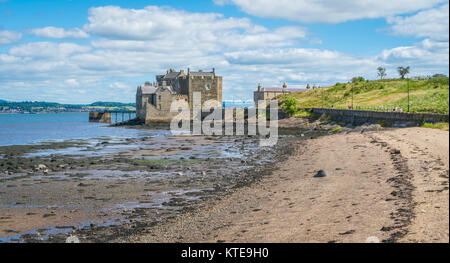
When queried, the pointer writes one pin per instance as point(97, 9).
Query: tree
point(381, 72)
point(402, 71)
point(290, 105)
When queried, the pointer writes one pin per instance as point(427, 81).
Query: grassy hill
point(426, 95)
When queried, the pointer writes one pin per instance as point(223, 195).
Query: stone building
point(153, 100)
point(270, 93)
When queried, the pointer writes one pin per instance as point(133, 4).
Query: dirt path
point(372, 190)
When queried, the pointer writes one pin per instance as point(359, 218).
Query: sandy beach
point(386, 186)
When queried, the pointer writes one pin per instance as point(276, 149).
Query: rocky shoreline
point(102, 190)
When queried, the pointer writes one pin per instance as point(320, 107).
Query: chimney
point(214, 70)
point(147, 83)
point(189, 71)
point(259, 86)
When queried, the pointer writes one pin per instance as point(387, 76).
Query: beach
point(386, 186)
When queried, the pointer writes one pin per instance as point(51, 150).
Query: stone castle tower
point(153, 101)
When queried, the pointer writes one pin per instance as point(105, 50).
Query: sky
point(82, 51)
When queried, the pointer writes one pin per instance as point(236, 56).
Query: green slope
point(426, 95)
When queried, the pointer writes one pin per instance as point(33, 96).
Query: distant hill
point(53, 106)
point(426, 95)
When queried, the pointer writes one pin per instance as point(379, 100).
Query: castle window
point(207, 86)
point(152, 99)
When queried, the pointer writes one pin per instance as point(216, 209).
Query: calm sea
point(20, 129)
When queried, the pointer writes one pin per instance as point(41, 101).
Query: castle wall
point(161, 111)
point(199, 84)
point(141, 101)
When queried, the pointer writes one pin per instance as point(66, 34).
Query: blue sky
point(83, 51)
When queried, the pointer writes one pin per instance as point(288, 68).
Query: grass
point(426, 95)
point(439, 125)
point(303, 114)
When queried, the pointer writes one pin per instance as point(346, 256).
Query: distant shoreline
point(43, 112)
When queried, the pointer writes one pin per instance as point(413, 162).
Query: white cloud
point(56, 32)
point(296, 66)
point(47, 49)
point(154, 22)
point(9, 37)
point(329, 11)
point(166, 28)
point(426, 54)
point(72, 82)
point(431, 23)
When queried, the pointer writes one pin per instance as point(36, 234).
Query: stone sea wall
point(358, 117)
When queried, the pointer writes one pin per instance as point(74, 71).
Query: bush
point(290, 105)
point(357, 79)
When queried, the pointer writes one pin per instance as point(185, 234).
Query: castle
point(153, 100)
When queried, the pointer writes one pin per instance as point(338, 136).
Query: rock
point(395, 151)
point(320, 173)
point(41, 167)
point(203, 173)
point(180, 173)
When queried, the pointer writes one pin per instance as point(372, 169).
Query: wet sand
point(105, 189)
point(390, 186)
